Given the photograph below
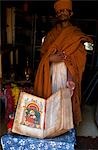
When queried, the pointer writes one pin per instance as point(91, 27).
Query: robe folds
point(69, 40)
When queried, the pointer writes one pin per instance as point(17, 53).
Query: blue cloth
point(18, 142)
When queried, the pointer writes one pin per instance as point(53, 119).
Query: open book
point(40, 118)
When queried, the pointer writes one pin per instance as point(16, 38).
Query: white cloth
point(58, 75)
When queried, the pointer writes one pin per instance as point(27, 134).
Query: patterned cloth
point(18, 142)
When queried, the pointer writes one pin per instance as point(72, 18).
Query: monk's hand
point(57, 57)
point(71, 85)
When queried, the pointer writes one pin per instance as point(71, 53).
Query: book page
point(66, 118)
point(53, 114)
point(59, 131)
point(29, 117)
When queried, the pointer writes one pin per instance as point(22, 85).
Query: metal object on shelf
point(27, 70)
point(12, 73)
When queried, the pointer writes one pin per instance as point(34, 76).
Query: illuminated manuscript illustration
point(32, 115)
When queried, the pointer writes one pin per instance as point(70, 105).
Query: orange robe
point(68, 40)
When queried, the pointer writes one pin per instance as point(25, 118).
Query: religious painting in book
point(32, 114)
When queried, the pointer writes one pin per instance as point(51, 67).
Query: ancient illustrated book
point(41, 118)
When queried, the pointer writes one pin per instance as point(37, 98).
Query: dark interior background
point(85, 16)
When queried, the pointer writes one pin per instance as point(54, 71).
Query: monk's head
point(63, 9)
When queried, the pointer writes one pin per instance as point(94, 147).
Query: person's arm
point(57, 57)
point(47, 41)
point(70, 83)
